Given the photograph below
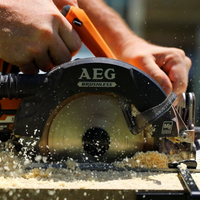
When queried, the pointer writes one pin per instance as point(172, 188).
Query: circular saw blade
point(65, 131)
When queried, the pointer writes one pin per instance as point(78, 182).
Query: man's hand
point(168, 66)
point(34, 35)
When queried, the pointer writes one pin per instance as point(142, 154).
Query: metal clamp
point(186, 110)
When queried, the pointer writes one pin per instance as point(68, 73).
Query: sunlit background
point(173, 23)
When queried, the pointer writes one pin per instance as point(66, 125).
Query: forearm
point(111, 26)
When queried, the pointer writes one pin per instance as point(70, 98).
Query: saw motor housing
point(74, 112)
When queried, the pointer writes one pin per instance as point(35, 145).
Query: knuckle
point(21, 60)
point(139, 57)
point(188, 62)
point(46, 34)
point(181, 87)
point(178, 54)
point(33, 49)
point(138, 60)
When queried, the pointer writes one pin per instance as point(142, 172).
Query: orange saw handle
point(87, 32)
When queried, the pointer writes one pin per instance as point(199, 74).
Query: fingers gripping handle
point(87, 32)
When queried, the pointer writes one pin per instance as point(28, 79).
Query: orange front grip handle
point(87, 32)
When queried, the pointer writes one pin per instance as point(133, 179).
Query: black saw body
point(74, 110)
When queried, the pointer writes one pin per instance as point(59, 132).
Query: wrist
point(131, 43)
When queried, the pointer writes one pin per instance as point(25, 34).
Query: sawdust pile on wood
point(75, 178)
point(183, 155)
point(14, 175)
point(151, 159)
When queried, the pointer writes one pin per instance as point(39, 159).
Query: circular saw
point(92, 110)
point(106, 111)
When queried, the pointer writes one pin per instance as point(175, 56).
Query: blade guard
point(92, 75)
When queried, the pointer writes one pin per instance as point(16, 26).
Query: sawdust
point(10, 165)
point(175, 157)
point(74, 178)
point(183, 166)
point(151, 159)
point(14, 175)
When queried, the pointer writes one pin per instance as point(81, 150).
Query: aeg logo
point(98, 74)
point(167, 127)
